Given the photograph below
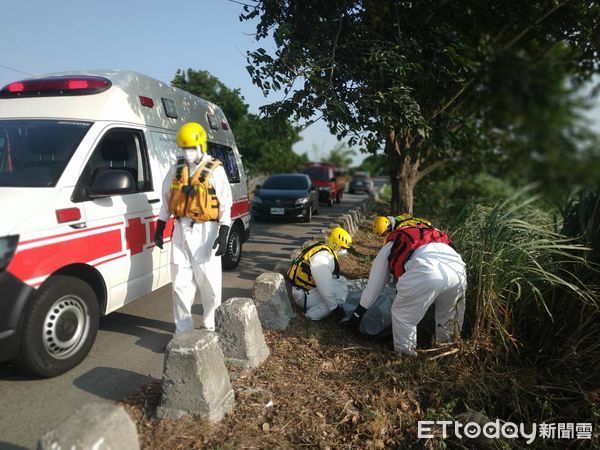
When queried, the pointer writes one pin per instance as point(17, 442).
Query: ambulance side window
point(120, 149)
point(225, 154)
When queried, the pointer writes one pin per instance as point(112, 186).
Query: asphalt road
point(128, 352)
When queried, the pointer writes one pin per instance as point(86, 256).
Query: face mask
point(191, 155)
point(342, 253)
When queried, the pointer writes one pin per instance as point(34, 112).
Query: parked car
point(286, 195)
point(323, 177)
point(361, 182)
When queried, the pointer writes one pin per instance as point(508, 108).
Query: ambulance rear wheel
point(233, 254)
point(59, 327)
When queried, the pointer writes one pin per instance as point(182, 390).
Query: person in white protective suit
point(317, 286)
point(197, 193)
point(428, 270)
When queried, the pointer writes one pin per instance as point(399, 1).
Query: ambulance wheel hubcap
point(66, 327)
point(234, 246)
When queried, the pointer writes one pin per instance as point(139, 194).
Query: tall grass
point(516, 265)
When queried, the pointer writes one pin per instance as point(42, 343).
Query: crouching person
point(428, 270)
point(317, 286)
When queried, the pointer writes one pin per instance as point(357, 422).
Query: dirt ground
point(321, 387)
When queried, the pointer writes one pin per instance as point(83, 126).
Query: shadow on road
point(111, 383)
point(9, 446)
point(9, 372)
point(141, 327)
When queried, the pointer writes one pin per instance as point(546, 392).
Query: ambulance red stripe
point(71, 233)
point(240, 208)
point(44, 260)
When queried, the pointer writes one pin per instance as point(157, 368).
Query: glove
point(221, 241)
point(158, 234)
point(354, 320)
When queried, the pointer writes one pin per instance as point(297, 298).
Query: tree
point(340, 155)
point(265, 143)
point(417, 76)
point(374, 164)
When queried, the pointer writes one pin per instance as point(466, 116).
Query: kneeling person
point(318, 287)
point(428, 270)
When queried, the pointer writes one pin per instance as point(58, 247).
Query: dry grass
point(324, 388)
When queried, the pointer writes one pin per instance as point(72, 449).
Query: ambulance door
point(165, 156)
point(132, 270)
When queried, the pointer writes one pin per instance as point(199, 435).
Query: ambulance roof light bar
point(56, 86)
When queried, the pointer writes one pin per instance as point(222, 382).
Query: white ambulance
point(73, 245)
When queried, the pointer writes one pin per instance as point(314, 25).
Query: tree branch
point(430, 168)
point(506, 47)
point(453, 99)
point(335, 43)
point(518, 37)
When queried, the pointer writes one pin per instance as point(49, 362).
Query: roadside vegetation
point(529, 355)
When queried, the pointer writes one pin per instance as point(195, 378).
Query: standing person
point(428, 270)
point(384, 224)
point(318, 287)
point(197, 192)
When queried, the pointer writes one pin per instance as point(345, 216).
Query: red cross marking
point(135, 235)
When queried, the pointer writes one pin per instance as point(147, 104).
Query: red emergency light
point(146, 101)
point(56, 86)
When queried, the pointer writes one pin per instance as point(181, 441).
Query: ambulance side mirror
point(111, 182)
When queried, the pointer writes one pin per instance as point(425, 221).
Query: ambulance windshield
point(34, 153)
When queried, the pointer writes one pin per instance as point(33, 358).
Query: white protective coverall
point(435, 273)
point(330, 291)
point(193, 260)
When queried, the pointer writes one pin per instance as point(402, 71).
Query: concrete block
point(272, 301)
point(281, 267)
point(240, 333)
point(348, 223)
point(355, 217)
point(195, 379)
point(93, 426)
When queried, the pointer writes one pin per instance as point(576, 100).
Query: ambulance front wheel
point(59, 327)
point(233, 254)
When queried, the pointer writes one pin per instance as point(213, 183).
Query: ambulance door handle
point(78, 226)
point(153, 200)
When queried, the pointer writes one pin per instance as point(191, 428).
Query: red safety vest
point(407, 239)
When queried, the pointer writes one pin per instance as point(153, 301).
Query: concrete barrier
point(195, 379)
point(240, 333)
point(272, 301)
point(94, 426)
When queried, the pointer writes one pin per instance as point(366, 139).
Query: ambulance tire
point(233, 254)
point(59, 327)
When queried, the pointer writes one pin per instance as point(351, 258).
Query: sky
point(149, 36)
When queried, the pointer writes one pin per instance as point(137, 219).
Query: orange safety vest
point(194, 198)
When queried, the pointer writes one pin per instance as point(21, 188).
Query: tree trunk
point(404, 172)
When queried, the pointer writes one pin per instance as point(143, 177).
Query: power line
point(15, 70)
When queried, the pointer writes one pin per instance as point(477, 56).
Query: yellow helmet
point(381, 225)
point(191, 135)
point(339, 238)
